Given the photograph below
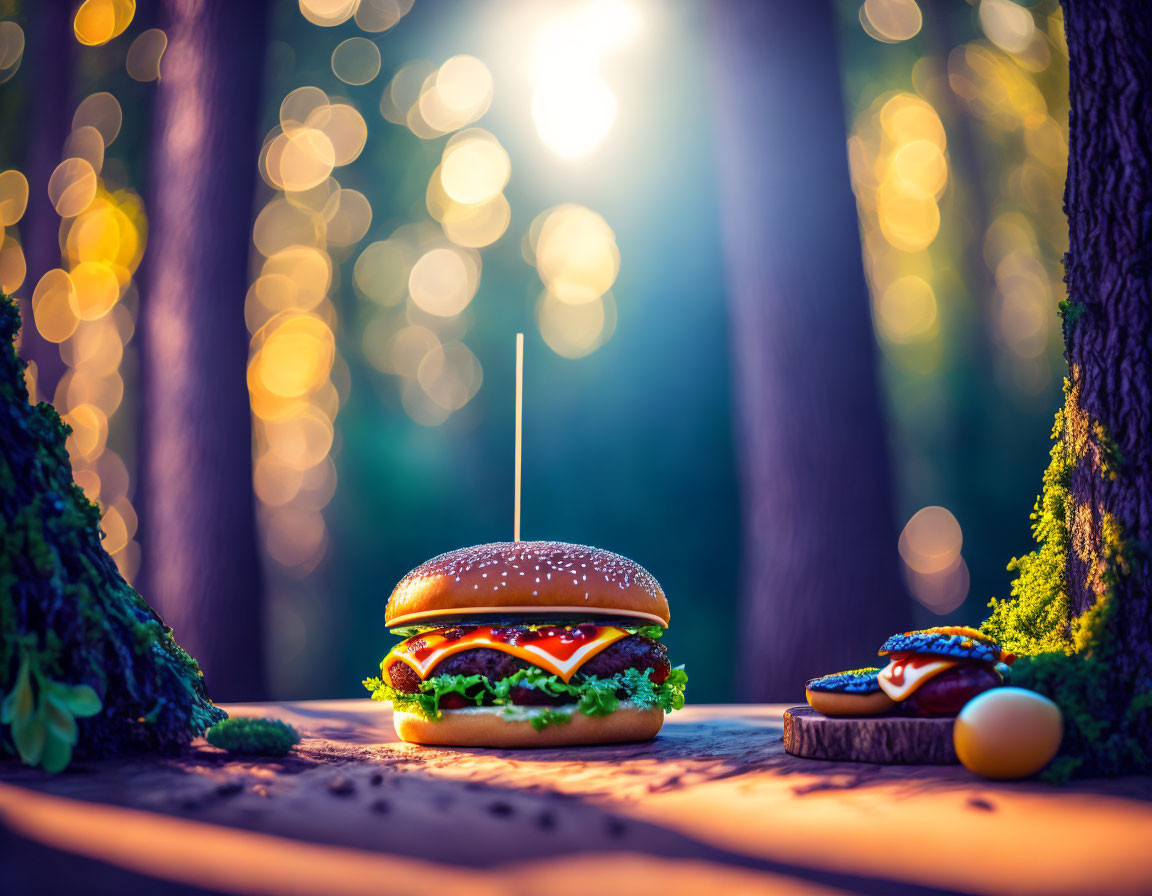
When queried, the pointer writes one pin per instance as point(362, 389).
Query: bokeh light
point(99, 21)
point(52, 302)
point(101, 111)
point(575, 330)
point(379, 15)
point(575, 253)
point(86, 143)
point(349, 220)
point(941, 592)
point(905, 311)
point(891, 21)
point(450, 375)
point(381, 272)
point(305, 159)
point(474, 167)
point(72, 187)
point(475, 226)
point(347, 130)
point(444, 280)
point(1007, 24)
point(573, 114)
point(13, 197)
point(464, 85)
point(302, 105)
point(95, 290)
point(572, 105)
point(13, 266)
point(87, 305)
point(931, 540)
point(145, 55)
point(281, 225)
point(403, 91)
point(356, 61)
point(934, 568)
point(995, 88)
point(294, 355)
point(11, 49)
point(328, 13)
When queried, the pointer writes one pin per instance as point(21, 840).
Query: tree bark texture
point(821, 587)
point(201, 564)
point(1108, 324)
point(886, 740)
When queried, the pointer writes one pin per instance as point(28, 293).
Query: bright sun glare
point(572, 105)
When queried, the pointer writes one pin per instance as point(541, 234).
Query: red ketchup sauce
point(557, 641)
point(555, 648)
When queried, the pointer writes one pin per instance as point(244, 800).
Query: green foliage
point(1071, 311)
point(1074, 660)
point(267, 737)
point(86, 666)
point(1036, 618)
point(593, 696)
point(41, 715)
point(1100, 715)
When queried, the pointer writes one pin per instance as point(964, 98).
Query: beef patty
point(946, 694)
point(633, 652)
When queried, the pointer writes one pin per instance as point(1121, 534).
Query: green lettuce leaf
point(549, 716)
point(594, 696)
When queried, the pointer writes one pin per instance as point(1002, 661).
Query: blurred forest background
point(411, 184)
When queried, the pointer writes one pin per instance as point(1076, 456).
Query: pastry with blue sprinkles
point(935, 671)
point(856, 692)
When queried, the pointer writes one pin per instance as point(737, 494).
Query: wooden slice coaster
point(891, 740)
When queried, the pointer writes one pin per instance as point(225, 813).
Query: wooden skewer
point(519, 428)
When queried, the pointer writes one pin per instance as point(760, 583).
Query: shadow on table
point(388, 810)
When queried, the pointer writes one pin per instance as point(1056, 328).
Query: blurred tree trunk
point(201, 566)
point(49, 58)
point(1108, 320)
point(821, 586)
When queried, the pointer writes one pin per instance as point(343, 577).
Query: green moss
point(1103, 718)
point(1071, 311)
point(1074, 659)
point(268, 737)
point(1036, 618)
point(86, 666)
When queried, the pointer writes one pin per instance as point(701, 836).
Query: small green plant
point(42, 714)
point(263, 737)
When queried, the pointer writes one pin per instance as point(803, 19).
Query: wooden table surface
point(712, 804)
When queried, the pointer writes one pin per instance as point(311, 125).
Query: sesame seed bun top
point(526, 578)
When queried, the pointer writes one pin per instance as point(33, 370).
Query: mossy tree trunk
point(1081, 605)
point(201, 563)
point(1108, 321)
point(821, 586)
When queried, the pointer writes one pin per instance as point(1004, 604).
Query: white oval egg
point(1008, 733)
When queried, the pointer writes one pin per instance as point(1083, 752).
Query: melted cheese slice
point(905, 673)
point(556, 654)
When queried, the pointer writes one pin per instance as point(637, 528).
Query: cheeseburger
point(528, 644)
point(935, 671)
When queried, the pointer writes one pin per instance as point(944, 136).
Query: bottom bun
point(841, 705)
point(489, 726)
